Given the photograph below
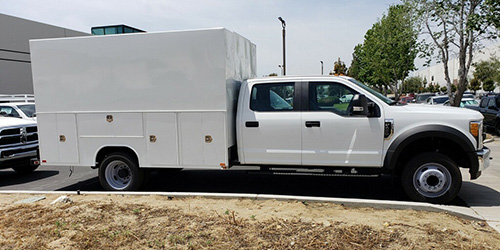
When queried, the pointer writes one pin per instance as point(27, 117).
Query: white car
point(464, 102)
point(346, 98)
point(24, 110)
point(437, 100)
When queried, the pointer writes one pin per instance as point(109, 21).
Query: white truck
point(188, 99)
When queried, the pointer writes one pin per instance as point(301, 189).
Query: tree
point(413, 85)
point(455, 26)
point(339, 68)
point(489, 69)
point(475, 85)
point(443, 89)
point(386, 56)
point(489, 85)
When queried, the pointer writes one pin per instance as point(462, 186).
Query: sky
point(319, 30)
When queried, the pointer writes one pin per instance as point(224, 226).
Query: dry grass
point(199, 224)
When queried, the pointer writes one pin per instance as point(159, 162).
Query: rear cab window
point(273, 97)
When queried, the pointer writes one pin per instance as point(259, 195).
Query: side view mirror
point(359, 105)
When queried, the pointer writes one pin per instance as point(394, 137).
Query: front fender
point(400, 143)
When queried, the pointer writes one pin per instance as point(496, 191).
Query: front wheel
point(120, 172)
point(431, 177)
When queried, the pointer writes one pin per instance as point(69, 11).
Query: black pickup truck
point(490, 108)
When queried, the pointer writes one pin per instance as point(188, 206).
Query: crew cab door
point(331, 136)
point(270, 125)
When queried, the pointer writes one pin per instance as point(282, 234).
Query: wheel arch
point(105, 150)
point(431, 138)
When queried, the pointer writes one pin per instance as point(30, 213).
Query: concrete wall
point(15, 67)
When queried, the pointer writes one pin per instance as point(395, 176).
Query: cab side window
point(333, 97)
point(272, 97)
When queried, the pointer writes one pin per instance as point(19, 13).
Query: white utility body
point(170, 97)
point(189, 99)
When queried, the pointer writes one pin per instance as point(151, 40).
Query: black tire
point(431, 177)
point(24, 170)
point(120, 172)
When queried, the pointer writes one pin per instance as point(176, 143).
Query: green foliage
point(388, 51)
point(489, 69)
point(443, 89)
point(328, 101)
point(413, 84)
point(489, 85)
point(475, 84)
point(339, 68)
point(432, 88)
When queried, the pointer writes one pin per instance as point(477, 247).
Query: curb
point(462, 212)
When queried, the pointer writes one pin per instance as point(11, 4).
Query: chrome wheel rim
point(118, 175)
point(432, 180)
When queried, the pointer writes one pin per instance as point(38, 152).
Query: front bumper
point(483, 157)
point(14, 156)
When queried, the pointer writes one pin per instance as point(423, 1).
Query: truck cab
point(368, 134)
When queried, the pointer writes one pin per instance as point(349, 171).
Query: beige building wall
point(435, 74)
point(15, 66)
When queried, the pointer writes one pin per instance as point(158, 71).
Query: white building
point(435, 74)
point(15, 64)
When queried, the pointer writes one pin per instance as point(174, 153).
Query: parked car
point(490, 108)
point(437, 100)
point(346, 98)
point(421, 98)
point(24, 110)
point(406, 99)
point(18, 144)
point(464, 102)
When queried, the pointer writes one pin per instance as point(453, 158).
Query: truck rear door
point(270, 125)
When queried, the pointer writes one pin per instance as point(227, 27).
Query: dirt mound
point(159, 222)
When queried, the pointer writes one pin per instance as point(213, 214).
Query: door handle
point(311, 124)
point(252, 124)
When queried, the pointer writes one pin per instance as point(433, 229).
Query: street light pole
point(321, 67)
point(283, 24)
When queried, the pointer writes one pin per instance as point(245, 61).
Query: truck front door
point(331, 136)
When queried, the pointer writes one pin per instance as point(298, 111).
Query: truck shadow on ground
point(10, 177)
point(216, 181)
point(479, 195)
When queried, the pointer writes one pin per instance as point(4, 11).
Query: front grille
point(10, 137)
point(32, 129)
point(10, 131)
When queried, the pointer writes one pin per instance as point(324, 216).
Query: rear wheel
point(431, 177)
point(120, 172)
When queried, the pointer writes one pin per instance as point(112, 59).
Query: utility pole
point(283, 24)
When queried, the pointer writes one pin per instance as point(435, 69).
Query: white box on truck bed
point(170, 97)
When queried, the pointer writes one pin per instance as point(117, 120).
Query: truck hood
point(11, 122)
point(445, 111)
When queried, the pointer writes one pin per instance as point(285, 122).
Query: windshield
point(423, 97)
point(373, 92)
point(28, 109)
point(439, 100)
